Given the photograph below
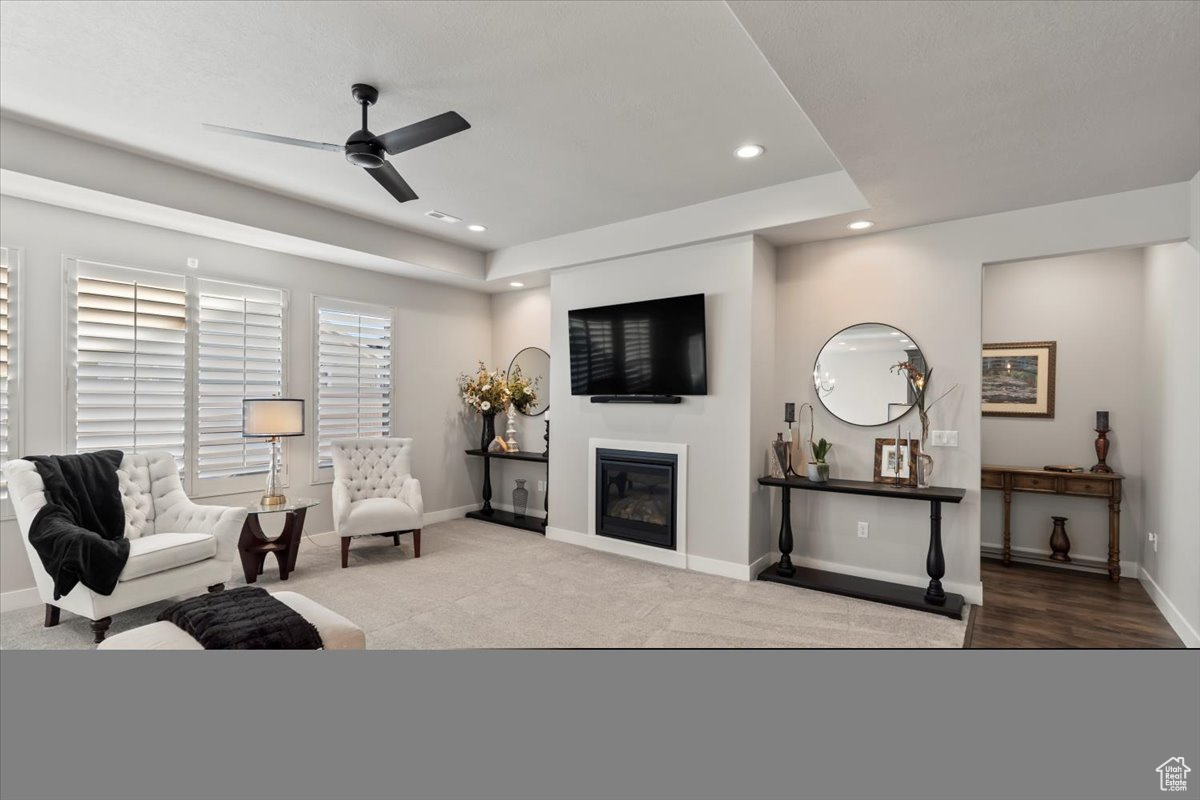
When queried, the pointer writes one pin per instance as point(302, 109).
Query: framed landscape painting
point(1018, 379)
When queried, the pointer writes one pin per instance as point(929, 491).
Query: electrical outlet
point(862, 530)
point(193, 263)
point(943, 438)
point(542, 486)
point(1153, 538)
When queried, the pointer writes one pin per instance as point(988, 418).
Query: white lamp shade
point(272, 416)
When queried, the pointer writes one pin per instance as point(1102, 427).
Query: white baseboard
point(726, 569)
point(21, 598)
point(1174, 618)
point(1032, 555)
point(971, 592)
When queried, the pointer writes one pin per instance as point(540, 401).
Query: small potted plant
point(818, 469)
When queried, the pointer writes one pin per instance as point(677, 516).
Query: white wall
point(1091, 305)
point(439, 332)
point(520, 319)
point(716, 427)
point(937, 271)
point(1169, 376)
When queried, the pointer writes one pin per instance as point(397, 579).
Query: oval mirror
point(854, 378)
point(534, 364)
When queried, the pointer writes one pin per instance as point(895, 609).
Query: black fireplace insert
point(635, 496)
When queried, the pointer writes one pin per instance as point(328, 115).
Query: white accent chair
point(176, 547)
point(374, 492)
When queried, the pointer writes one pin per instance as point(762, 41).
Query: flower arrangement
point(919, 382)
point(522, 390)
point(487, 391)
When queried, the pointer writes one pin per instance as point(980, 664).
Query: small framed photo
point(894, 461)
point(1018, 379)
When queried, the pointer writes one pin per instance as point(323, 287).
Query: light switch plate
point(943, 438)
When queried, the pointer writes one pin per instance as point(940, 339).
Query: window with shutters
point(128, 382)
point(353, 375)
point(239, 353)
point(8, 367)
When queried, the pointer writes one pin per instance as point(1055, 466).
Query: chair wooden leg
point(396, 539)
point(100, 628)
point(52, 615)
point(217, 587)
point(417, 543)
point(345, 551)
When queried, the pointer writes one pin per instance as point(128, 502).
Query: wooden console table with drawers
point(1101, 485)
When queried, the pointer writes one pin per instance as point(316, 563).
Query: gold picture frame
point(1018, 379)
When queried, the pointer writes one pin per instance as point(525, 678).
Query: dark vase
point(520, 499)
point(489, 430)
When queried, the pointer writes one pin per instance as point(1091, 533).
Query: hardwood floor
point(1033, 606)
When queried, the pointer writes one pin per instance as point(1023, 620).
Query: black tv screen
point(655, 347)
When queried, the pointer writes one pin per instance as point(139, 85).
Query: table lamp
point(272, 417)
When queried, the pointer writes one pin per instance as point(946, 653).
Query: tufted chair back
point(369, 468)
point(149, 484)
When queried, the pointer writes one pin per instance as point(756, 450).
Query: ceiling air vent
point(443, 217)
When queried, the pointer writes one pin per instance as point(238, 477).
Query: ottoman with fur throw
point(335, 631)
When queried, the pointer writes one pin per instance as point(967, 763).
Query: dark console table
point(489, 514)
point(933, 599)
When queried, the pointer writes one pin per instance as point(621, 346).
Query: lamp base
point(272, 500)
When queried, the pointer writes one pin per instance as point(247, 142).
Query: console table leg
point(785, 567)
point(935, 562)
point(487, 486)
point(1114, 540)
point(1006, 556)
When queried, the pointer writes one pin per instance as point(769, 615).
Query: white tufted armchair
point(176, 547)
point(374, 492)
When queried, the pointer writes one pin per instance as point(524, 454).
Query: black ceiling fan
point(365, 149)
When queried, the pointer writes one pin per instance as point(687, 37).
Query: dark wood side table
point(933, 599)
point(254, 545)
point(1104, 486)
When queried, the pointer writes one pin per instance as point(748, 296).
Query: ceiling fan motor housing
point(363, 150)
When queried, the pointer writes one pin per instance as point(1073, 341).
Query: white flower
point(485, 405)
point(485, 387)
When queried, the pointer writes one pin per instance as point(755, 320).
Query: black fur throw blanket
point(245, 618)
point(80, 533)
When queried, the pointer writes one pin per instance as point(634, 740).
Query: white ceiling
point(583, 114)
point(948, 110)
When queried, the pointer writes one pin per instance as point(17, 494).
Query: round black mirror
point(854, 375)
point(533, 363)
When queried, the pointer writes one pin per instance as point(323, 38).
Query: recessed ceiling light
point(841, 342)
point(853, 348)
point(894, 333)
point(750, 151)
point(516, 284)
point(477, 228)
point(904, 340)
point(860, 225)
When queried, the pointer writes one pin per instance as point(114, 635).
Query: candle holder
point(1101, 451)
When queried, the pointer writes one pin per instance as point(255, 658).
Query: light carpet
point(479, 585)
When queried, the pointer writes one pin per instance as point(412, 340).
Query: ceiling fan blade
point(423, 132)
point(389, 179)
point(270, 137)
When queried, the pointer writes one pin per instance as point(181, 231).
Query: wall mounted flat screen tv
point(654, 347)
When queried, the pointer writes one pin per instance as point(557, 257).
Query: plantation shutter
point(129, 330)
point(240, 353)
point(354, 374)
point(7, 374)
